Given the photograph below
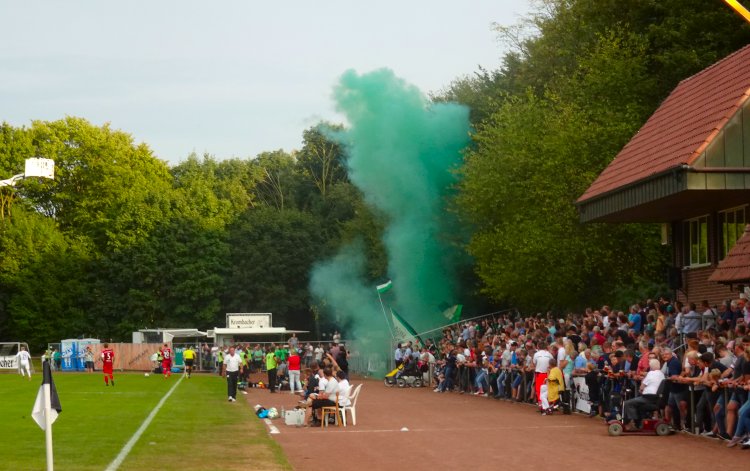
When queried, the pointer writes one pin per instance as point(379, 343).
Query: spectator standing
point(231, 366)
point(271, 368)
point(634, 318)
point(88, 358)
point(743, 415)
point(398, 355)
point(57, 357)
point(691, 322)
point(318, 353)
point(308, 355)
point(294, 371)
point(541, 361)
point(257, 358)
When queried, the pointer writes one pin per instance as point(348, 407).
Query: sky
point(231, 78)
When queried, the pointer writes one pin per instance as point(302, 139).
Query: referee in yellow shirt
point(189, 356)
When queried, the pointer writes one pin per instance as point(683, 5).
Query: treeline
point(121, 241)
point(564, 103)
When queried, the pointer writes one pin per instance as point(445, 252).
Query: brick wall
point(696, 287)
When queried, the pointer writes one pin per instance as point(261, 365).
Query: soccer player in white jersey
point(24, 362)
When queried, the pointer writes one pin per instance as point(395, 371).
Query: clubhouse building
point(688, 168)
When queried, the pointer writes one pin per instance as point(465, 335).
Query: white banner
point(8, 363)
point(248, 320)
point(581, 391)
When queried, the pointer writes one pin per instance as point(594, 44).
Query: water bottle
point(283, 412)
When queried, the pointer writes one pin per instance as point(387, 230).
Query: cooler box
point(294, 417)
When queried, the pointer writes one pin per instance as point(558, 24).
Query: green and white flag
point(385, 287)
point(402, 330)
point(453, 313)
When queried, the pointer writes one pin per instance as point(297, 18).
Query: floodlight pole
point(12, 180)
point(737, 6)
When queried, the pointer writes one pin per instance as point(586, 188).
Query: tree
point(42, 280)
point(532, 159)
point(322, 159)
point(105, 188)
point(277, 182)
point(272, 252)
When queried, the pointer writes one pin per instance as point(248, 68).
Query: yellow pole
point(739, 9)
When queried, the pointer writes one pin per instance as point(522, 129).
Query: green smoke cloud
point(402, 150)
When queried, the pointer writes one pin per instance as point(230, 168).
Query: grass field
point(196, 428)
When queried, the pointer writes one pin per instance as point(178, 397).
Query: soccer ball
point(273, 413)
point(145, 374)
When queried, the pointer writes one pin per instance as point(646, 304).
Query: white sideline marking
point(450, 429)
point(271, 427)
point(129, 445)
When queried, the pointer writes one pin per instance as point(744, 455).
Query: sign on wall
point(8, 363)
point(248, 320)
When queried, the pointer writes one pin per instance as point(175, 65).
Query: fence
point(697, 409)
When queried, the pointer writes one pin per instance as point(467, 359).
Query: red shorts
point(107, 368)
point(166, 365)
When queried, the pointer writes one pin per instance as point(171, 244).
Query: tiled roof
point(682, 127)
point(736, 265)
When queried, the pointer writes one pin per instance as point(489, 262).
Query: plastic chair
point(327, 410)
point(352, 406)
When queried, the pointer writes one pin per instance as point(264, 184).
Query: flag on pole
point(453, 313)
point(385, 287)
point(37, 413)
point(402, 330)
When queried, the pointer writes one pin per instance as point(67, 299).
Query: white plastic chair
point(352, 407)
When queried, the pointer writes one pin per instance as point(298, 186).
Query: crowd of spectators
point(702, 351)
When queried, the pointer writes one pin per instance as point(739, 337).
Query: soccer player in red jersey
point(108, 361)
point(166, 360)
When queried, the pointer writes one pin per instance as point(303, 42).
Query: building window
point(732, 225)
point(696, 236)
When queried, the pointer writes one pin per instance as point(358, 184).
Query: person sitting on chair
point(634, 408)
point(322, 398)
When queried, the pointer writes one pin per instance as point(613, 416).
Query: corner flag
point(38, 412)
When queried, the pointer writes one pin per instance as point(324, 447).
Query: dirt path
point(452, 431)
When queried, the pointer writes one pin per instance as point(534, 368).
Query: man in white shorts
point(24, 362)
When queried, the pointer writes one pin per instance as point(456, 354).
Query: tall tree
point(272, 252)
point(321, 158)
point(106, 187)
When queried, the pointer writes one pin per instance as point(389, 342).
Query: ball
point(146, 374)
